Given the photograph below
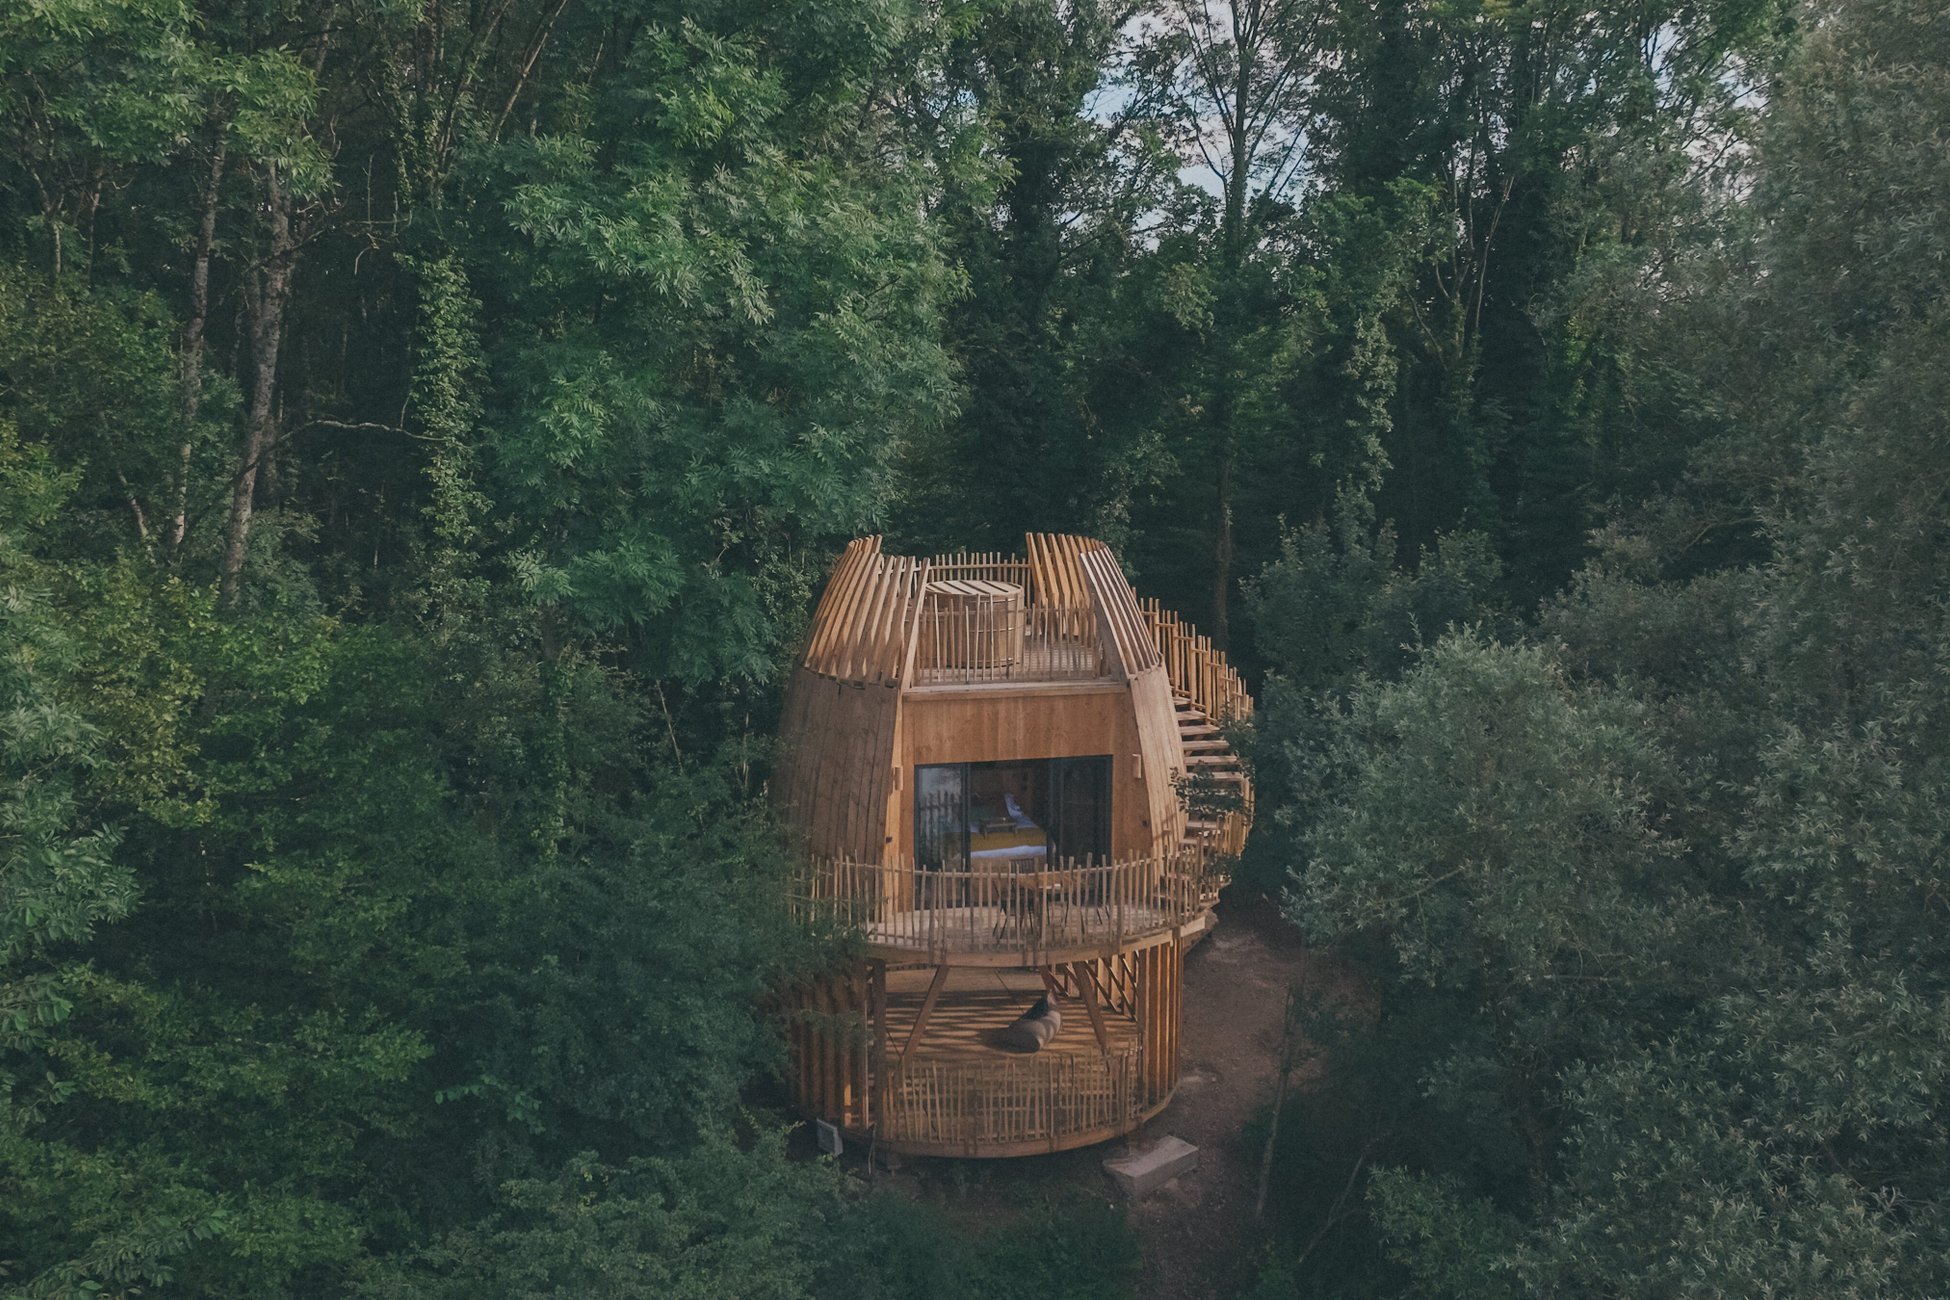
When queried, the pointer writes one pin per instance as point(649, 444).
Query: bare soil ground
point(1198, 1231)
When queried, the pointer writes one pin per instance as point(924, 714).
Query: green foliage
point(1336, 604)
point(742, 1221)
point(1057, 334)
point(720, 1221)
point(1075, 1248)
point(1656, 892)
point(713, 331)
point(1334, 612)
point(1453, 1241)
point(404, 923)
point(58, 881)
point(123, 440)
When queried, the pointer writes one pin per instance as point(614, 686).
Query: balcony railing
point(1198, 670)
point(1012, 907)
point(983, 566)
point(1031, 1100)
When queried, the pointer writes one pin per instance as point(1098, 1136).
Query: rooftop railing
point(965, 643)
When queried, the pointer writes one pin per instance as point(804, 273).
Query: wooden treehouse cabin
point(1011, 782)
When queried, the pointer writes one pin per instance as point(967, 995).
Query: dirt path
point(1198, 1232)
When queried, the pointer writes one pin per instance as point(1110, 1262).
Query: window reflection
point(1018, 814)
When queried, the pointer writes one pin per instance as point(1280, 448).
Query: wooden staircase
point(1208, 694)
point(1215, 772)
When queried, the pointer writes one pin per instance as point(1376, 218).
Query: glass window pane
point(940, 817)
point(1080, 818)
point(1007, 813)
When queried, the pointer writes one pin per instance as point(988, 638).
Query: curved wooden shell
point(991, 658)
point(865, 706)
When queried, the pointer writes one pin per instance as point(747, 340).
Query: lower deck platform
point(975, 1005)
point(958, 1089)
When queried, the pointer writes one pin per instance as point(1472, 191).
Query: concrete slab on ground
point(1143, 1172)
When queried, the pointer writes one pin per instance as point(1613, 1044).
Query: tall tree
point(1237, 81)
point(1048, 170)
point(1646, 899)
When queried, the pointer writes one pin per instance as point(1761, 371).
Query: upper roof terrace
point(1061, 613)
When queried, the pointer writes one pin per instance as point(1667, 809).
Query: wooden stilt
point(1087, 979)
point(927, 1008)
point(880, 1091)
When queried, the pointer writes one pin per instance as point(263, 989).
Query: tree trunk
point(206, 237)
point(1222, 547)
point(1247, 32)
point(1279, 1104)
point(268, 302)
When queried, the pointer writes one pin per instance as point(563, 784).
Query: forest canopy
point(423, 430)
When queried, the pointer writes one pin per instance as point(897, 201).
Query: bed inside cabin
point(1012, 815)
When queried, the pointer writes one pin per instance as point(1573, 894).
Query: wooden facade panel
point(1154, 717)
point(1015, 725)
point(835, 776)
point(1003, 728)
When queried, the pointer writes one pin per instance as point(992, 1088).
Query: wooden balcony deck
point(954, 1087)
point(975, 1004)
point(999, 916)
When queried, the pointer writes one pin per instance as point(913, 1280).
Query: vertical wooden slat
point(835, 623)
point(825, 625)
point(880, 1089)
point(859, 1101)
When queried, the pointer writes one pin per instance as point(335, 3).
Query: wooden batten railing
point(965, 644)
point(980, 566)
point(979, 1105)
point(1065, 904)
point(1198, 670)
point(1201, 676)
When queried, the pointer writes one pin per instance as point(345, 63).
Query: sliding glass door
point(1011, 814)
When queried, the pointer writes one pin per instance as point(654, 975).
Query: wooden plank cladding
point(839, 794)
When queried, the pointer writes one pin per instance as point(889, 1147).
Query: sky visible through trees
point(424, 427)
